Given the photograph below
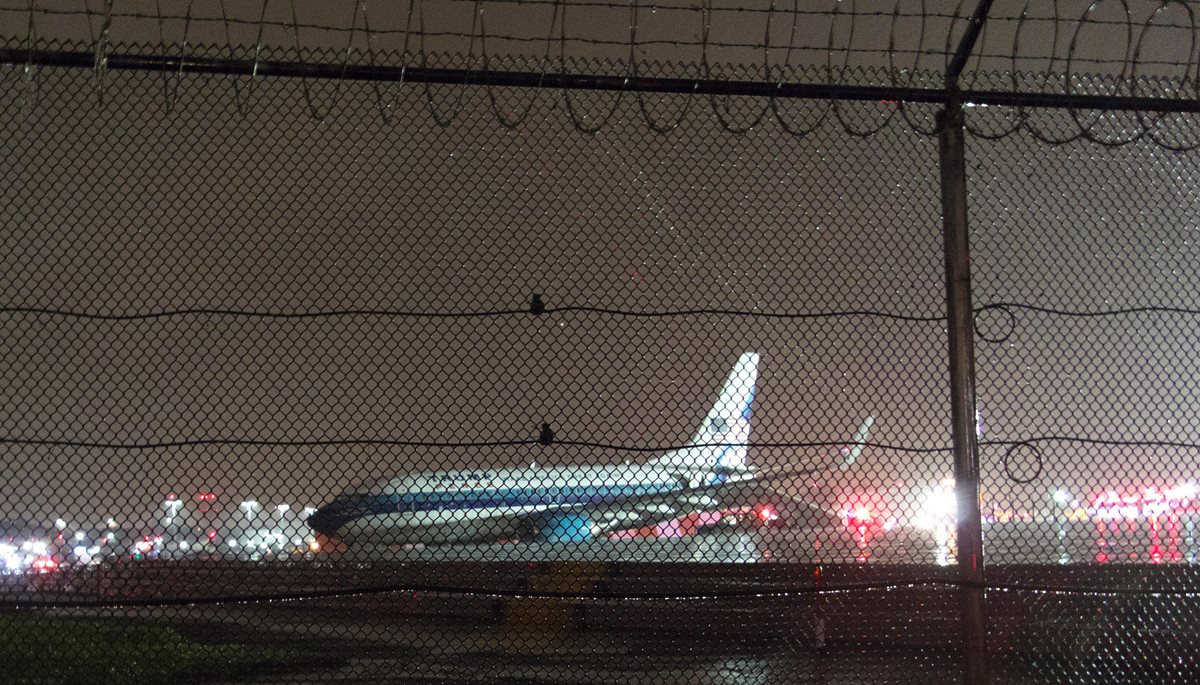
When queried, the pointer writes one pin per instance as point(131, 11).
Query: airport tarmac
point(730, 606)
point(764, 642)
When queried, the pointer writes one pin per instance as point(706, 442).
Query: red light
point(766, 514)
point(212, 535)
point(207, 497)
point(44, 564)
point(860, 517)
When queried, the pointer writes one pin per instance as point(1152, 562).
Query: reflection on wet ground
point(1168, 539)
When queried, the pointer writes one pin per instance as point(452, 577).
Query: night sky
point(123, 208)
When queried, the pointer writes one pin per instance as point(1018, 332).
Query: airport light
point(938, 507)
point(862, 515)
point(281, 510)
point(172, 504)
point(1061, 497)
point(250, 508)
point(10, 558)
point(44, 564)
point(1182, 492)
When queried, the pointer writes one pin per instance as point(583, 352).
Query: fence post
point(969, 542)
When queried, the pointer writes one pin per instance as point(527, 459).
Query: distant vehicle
point(568, 503)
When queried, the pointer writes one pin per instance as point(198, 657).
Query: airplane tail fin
point(851, 451)
point(720, 443)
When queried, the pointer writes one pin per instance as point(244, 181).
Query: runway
point(733, 606)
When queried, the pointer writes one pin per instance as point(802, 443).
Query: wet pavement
point(728, 607)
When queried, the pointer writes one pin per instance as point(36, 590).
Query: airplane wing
point(742, 487)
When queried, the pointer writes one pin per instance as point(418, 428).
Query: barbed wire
point(1031, 444)
point(537, 307)
point(694, 9)
point(1176, 131)
point(1129, 79)
point(1010, 325)
point(1037, 468)
point(895, 15)
point(534, 310)
point(456, 444)
point(579, 39)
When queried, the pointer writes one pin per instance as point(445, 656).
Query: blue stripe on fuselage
point(343, 510)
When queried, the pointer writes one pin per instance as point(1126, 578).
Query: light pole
point(250, 509)
point(282, 535)
point(172, 504)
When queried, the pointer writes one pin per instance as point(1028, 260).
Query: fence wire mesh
point(1086, 379)
point(316, 380)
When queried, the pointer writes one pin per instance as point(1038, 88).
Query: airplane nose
point(327, 519)
point(318, 522)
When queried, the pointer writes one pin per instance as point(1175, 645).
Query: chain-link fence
point(415, 374)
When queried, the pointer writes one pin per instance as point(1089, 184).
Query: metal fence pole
point(962, 391)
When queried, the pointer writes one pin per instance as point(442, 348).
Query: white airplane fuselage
point(485, 505)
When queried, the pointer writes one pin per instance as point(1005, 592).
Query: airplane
point(567, 503)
